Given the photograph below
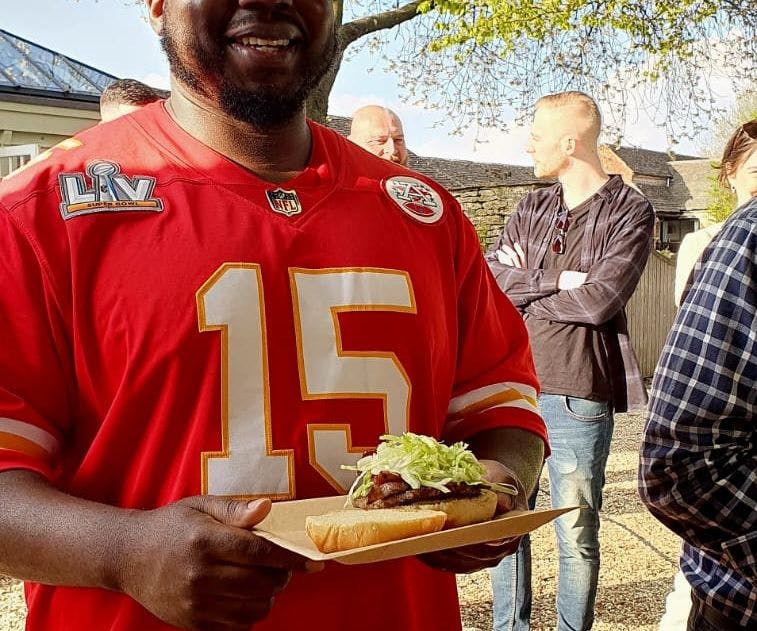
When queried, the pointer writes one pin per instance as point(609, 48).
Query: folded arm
point(609, 282)
point(521, 284)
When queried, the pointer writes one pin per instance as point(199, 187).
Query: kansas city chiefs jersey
point(174, 325)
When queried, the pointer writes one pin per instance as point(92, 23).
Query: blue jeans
point(579, 434)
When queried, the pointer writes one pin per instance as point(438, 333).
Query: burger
point(410, 485)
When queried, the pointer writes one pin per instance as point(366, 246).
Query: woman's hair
point(738, 148)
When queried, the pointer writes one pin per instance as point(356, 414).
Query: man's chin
point(263, 108)
point(543, 174)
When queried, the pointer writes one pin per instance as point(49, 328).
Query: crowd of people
point(212, 303)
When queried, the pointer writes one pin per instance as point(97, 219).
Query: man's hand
point(570, 280)
point(477, 557)
point(195, 565)
point(512, 256)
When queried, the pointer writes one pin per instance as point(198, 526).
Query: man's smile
point(265, 41)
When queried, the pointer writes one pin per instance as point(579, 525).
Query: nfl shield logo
point(284, 202)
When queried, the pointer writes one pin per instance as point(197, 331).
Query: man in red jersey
point(213, 303)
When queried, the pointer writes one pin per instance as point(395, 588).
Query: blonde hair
point(577, 99)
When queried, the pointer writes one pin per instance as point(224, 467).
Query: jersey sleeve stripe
point(490, 396)
point(9, 442)
point(520, 417)
point(508, 398)
point(523, 404)
point(20, 436)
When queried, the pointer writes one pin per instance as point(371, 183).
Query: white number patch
point(232, 302)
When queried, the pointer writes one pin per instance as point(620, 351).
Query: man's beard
point(550, 168)
point(266, 107)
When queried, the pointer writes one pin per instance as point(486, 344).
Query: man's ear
point(155, 14)
point(569, 145)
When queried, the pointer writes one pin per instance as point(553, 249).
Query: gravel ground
point(639, 555)
point(639, 559)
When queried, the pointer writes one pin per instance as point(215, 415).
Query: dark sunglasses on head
point(560, 230)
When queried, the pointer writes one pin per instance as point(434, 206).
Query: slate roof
point(648, 162)
point(456, 175)
point(339, 124)
point(29, 69)
point(663, 198)
point(672, 190)
point(464, 174)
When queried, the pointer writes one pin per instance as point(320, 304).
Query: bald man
point(570, 258)
point(379, 130)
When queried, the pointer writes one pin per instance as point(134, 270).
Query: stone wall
point(488, 208)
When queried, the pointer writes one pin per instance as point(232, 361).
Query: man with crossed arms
point(570, 258)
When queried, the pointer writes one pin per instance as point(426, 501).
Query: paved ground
point(638, 559)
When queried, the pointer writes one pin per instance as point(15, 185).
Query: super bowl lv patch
point(108, 190)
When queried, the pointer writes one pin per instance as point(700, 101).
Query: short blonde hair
point(578, 99)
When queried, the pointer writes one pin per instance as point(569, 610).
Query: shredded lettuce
point(422, 461)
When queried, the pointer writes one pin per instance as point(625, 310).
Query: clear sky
point(113, 36)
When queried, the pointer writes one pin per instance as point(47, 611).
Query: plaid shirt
point(698, 471)
point(617, 243)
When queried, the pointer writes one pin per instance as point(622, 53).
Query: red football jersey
point(174, 325)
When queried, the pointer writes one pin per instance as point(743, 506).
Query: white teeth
point(267, 43)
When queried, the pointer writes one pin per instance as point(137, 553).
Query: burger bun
point(464, 511)
point(355, 528)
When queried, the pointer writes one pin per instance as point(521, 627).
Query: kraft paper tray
point(285, 526)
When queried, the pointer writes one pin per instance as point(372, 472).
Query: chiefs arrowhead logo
point(415, 198)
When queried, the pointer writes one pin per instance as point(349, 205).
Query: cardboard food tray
point(285, 526)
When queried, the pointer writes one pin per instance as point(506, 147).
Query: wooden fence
point(651, 311)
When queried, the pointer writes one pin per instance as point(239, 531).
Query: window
point(672, 231)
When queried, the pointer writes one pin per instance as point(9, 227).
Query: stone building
point(488, 193)
point(677, 186)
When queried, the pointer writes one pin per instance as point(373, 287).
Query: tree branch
point(356, 29)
